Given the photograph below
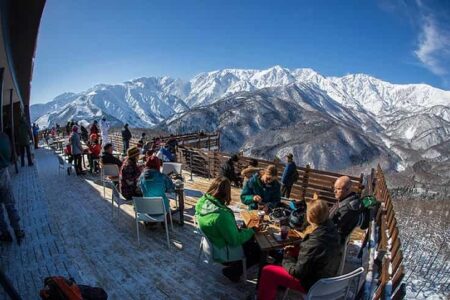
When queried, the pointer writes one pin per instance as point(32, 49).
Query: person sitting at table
point(164, 154)
point(129, 174)
point(94, 149)
point(346, 211)
point(251, 170)
point(216, 220)
point(227, 170)
point(108, 157)
point(153, 183)
point(262, 190)
point(318, 257)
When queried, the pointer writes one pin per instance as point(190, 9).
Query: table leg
point(262, 263)
point(181, 206)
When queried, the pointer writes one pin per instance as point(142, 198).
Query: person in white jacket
point(104, 128)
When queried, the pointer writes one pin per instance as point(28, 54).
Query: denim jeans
point(7, 200)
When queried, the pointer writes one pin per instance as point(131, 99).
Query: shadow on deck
point(70, 231)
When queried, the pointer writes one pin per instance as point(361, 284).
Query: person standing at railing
point(104, 129)
point(35, 129)
point(289, 177)
point(94, 128)
point(77, 150)
point(126, 137)
point(7, 197)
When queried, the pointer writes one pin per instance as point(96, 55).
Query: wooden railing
point(198, 140)
point(386, 244)
point(208, 164)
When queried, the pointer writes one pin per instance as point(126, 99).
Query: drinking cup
point(284, 231)
point(261, 215)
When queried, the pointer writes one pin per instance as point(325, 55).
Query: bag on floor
point(60, 288)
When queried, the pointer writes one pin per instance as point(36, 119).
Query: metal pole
point(2, 70)
point(190, 164)
point(13, 139)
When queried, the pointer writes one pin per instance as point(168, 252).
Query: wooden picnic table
point(265, 238)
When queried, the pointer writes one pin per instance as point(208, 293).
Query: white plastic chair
point(109, 173)
point(62, 165)
point(344, 255)
point(171, 167)
point(207, 252)
point(117, 198)
point(151, 209)
point(334, 288)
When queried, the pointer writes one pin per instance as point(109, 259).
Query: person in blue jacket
point(262, 190)
point(289, 177)
point(153, 183)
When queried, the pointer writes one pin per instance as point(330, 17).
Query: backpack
point(369, 204)
point(60, 288)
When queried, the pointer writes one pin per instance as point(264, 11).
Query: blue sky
point(84, 42)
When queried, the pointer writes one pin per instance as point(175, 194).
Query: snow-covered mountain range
point(331, 122)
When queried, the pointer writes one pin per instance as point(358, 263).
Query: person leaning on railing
point(262, 190)
point(318, 257)
point(217, 222)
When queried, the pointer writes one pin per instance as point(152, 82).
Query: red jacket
point(95, 149)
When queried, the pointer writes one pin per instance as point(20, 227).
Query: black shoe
point(20, 234)
point(231, 274)
point(30, 164)
point(6, 237)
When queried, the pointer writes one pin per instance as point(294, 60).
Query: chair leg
point(171, 222)
point(244, 269)
point(137, 230)
point(285, 294)
point(200, 251)
point(167, 233)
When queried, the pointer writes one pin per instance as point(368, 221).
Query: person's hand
point(291, 251)
point(257, 198)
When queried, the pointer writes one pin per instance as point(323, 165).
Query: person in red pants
point(318, 257)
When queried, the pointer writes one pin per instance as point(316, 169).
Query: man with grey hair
point(346, 211)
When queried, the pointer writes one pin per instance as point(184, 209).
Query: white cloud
point(433, 49)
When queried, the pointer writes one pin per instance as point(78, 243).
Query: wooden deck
point(70, 231)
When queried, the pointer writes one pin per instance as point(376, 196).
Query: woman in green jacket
point(218, 224)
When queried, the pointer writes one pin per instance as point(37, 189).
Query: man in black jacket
point(227, 170)
point(108, 157)
point(126, 137)
point(345, 213)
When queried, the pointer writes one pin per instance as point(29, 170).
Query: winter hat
point(153, 163)
point(133, 152)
